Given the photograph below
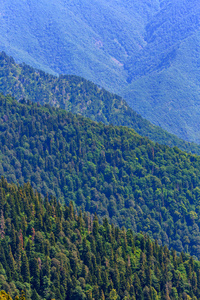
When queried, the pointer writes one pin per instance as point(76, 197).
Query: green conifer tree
point(25, 272)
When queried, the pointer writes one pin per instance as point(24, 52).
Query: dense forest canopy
point(49, 251)
point(104, 169)
point(81, 96)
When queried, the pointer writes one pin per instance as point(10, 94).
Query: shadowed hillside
point(81, 96)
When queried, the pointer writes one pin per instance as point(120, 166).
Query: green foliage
point(4, 295)
point(104, 169)
point(80, 96)
point(83, 263)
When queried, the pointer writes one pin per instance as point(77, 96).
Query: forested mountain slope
point(89, 39)
point(146, 51)
point(78, 95)
point(52, 252)
point(165, 74)
point(104, 169)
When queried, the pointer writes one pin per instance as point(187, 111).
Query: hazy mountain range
point(147, 51)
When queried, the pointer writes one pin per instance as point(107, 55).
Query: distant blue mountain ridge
point(146, 51)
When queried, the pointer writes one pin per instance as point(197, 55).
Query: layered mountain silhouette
point(148, 52)
point(81, 96)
